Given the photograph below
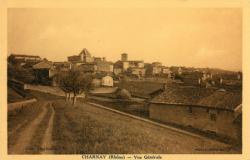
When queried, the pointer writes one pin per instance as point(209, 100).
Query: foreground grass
point(138, 109)
point(142, 110)
point(87, 129)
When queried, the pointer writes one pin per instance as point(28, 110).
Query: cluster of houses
point(105, 72)
point(207, 108)
point(136, 68)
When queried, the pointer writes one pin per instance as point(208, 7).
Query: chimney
point(199, 81)
point(221, 80)
point(238, 76)
point(164, 87)
point(124, 57)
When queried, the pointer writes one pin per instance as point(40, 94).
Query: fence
point(16, 105)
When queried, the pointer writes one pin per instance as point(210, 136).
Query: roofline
point(238, 108)
point(193, 105)
point(74, 56)
point(25, 55)
point(134, 61)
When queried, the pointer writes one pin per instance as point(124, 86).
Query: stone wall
point(203, 118)
point(16, 105)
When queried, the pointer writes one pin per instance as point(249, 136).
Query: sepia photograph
point(128, 80)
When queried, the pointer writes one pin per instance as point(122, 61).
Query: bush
point(20, 73)
point(124, 94)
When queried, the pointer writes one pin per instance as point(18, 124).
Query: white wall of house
point(111, 67)
point(107, 81)
point(140, 64)
point(125, 66)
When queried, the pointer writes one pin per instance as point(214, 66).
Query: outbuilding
point(208, 110)
point(107, 81)
point(44, 72)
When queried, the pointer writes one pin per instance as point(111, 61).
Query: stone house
point(104, 66)
point(44, 72)
point(87, 67)
point(86, 63)
point(139, 72)
point(157, 69)
point(124, 64)
point(102, 79)
point(177, 70)
point(96, 82)
point(117, 70)
point(107, 81)
point(153, 70)
point(62, 66)
point(192, 78)
point(83, 57)
point(167, 72)
point(204, 109)
point(22, 59)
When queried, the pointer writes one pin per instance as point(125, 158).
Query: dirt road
point(52, 125)
point(25, 132)
point(47, 142)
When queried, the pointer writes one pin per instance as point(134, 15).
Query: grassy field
point(13, 96)
point(84, 128)
point(138, 109)
point(142, 110)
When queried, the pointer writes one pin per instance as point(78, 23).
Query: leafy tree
point(16, 71)
point(178, 77)
point(75, 82)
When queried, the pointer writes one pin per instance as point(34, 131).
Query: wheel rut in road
point(28, 133)
point(47, 142)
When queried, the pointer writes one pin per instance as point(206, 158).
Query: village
point(202, 101)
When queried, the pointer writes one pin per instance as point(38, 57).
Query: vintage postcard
point(124, 80)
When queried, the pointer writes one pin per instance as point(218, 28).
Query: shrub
point(124, 94)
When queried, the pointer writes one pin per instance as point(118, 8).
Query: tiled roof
point(23, 55)
point(118, 64)
point(43, 65)
point(199, 96)
point(103, 62)
point(183, 95)
point(219, 99)
point(143, 89)
point(85, 51)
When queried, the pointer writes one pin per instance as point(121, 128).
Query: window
point(213, 117)
point(190, 110)
point(207, 110)
point(218, 111)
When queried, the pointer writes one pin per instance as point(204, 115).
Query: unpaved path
point(15, 129)
point(47, 139)
point(27, 134)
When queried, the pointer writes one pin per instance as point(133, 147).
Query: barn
point(208, 110)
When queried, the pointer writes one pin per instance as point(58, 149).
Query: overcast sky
point(173, 36)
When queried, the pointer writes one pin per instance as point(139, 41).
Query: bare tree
point(75, 82)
